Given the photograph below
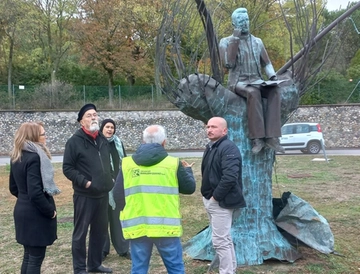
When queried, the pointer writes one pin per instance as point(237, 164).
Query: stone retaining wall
point(339, 123)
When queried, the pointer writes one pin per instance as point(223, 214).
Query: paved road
point(59, 158)
point(329, 152)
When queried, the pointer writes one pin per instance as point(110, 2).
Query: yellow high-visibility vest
point(152, 200)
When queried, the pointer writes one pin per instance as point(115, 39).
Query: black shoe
point(126, 255)
point(100, 269)
point(258, 144)
point(275, 145)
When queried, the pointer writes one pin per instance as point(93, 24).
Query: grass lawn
point(332, 188)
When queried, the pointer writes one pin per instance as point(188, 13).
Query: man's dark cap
point(84, 109)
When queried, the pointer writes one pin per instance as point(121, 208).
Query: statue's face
point(241, 22)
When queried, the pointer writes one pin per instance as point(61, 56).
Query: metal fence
point(65, 96)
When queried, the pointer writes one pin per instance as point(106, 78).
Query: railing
point(65, 96)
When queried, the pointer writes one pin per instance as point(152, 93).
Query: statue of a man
point(244, 55)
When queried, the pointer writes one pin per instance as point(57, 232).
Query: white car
point(306, 137)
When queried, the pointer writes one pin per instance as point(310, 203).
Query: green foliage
point(330, 87)
point(354, 69)
point(79, 74)
point(47, 41)
point(31, 70)
point(348, 40)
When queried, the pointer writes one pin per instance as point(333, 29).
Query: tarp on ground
point(301, 220)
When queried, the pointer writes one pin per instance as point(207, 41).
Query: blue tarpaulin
point(302, 221)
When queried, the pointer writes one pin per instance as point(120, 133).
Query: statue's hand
point(237, 32)
point(273, 78)
point(231, 88)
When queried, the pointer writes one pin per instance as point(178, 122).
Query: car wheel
point(313, 147)
point(304, 151)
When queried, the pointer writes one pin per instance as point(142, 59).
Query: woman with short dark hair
point(117, 152)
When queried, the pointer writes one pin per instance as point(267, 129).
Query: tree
point(353, 71)
point(200, 96)
point(11, 13)
point(113, 36)
point(50, 22)
point(325, 92)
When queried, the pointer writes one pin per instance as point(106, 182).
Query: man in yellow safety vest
point(147, 190)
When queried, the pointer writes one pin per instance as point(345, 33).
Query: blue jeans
point(170, 250)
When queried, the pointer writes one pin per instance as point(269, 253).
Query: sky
point(335, 4)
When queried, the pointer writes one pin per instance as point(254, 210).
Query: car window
point(313, 128)
point(302, 129)
point(287, 130)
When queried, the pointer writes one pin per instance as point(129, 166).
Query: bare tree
point(10, 14)
point(180, 50)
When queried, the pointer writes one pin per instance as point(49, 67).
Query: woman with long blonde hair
point(31, 181)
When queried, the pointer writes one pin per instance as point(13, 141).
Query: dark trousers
point(32, 260)
point(89, 212)
point(120, 244)
point(262, 124)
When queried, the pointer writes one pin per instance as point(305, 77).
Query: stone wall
point(339, 123)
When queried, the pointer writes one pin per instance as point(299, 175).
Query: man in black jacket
point(221, 188)
point(87, 165)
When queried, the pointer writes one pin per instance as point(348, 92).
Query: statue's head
point(240, 20)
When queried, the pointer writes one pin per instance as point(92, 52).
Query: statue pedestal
point(255, 235)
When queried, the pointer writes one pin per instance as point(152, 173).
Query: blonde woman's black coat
point(34, 209)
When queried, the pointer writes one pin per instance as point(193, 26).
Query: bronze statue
point(200, 96)
point(244, 55)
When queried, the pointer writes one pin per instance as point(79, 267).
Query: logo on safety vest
point(136, 173)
